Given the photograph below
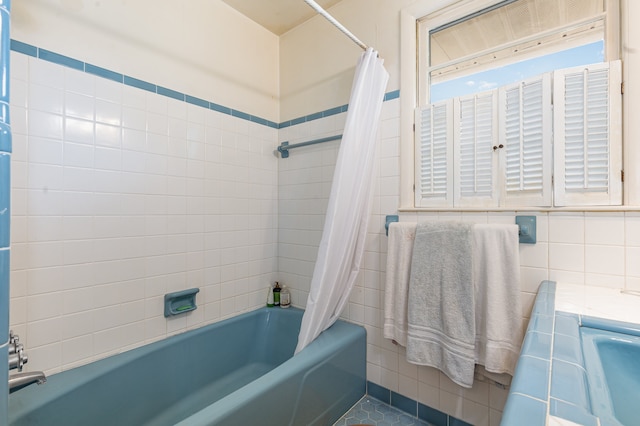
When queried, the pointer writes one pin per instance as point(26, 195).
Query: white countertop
point(600, 302)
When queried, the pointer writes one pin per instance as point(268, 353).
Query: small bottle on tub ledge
point(269, 297)
point(285, 297)
point(276, 294)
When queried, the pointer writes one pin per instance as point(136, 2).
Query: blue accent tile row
point(105, 73)
point(56, 58)
point(197, 101)
point(412, 407)
point(170, 93)
point(403, 403)
point(46, 55)
point(27, 49)
point(140, 84)
point(378, 392)
point(316, 115)
point(24, 48)
point(373, 412)
point(392, 95)
point(457, 422)
point(433, 416)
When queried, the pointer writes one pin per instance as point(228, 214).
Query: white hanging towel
point(498, 316)
point(441, 320)
point(396, 289)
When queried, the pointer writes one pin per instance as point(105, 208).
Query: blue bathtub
point(612, 361)
point(236, 372)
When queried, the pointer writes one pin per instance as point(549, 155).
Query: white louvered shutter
point(434, 140)
point(475, 166)
point(587, 135)
point(526, 136)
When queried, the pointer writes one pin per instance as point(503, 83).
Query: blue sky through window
point(491, 79)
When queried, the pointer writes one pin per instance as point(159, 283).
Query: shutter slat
point(587, 118)
point(526, 112)
point(433, 133)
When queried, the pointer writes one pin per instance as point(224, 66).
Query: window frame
point(441, 12)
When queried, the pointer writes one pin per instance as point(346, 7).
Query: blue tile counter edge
point(46, 55)
point(550, 378)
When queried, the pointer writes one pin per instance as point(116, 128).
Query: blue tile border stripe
point(59, 59)
point(140, 84)
point(392, 95)
point(197, 101)
point(412, 407)
point(27, 49)
point(103, 72)
point(170, 93)
point(316, 115)
point(46, 55)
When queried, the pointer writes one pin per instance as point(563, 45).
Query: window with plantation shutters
point(554, 139)
point(525, 134)
point(434, 156)
point(475, 134)
point(587, 135)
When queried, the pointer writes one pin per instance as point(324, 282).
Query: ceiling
point(278, 16)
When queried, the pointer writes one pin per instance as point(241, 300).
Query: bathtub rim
point(84, 374)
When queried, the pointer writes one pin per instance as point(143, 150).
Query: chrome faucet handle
point(15, 348)
point(18, 359)
point(13, 338)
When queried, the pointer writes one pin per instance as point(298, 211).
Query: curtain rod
point(337, 24)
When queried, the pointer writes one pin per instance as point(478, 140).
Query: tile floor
point(370, 411)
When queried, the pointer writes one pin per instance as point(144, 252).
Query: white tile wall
point(120, 196)
point(583, 248)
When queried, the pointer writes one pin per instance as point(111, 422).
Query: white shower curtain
point(345, 228)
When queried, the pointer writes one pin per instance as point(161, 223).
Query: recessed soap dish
point(180, 302)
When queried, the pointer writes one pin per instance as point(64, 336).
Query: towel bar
point(526, 229)
point(390, 218)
